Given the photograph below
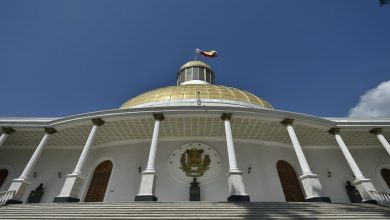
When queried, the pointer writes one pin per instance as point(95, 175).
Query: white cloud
point(374, 103)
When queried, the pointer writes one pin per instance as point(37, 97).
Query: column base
point(12, 201)
point(71, 188)
point(65, 199)
point(370, 202)
point(236, 183)
point(238, 198)
point(20, 187)
point(318, 199)
point(364, 186)
point(145, 198)
point(313, 188)
point(147, 187)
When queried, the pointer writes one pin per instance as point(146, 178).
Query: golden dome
point(208, 93)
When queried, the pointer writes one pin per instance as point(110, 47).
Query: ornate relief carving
point(194, 160)
point(98, 121)
point(50, 130)
point(226, 116)
point(193, 163)
point(376, 131)
point(158, 116)
point(8, 130)
point(334, 131)
point(287, 121)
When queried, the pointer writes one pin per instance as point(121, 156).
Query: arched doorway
point(386, 176)
point(288, 178)
point(3, 176)
point(97, 187)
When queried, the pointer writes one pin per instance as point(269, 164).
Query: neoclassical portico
point(20, 185)
point(148, 181)
point(310, 181)
point(235, 181)
point(221, 121)
point(71, 189)
point(363, 184)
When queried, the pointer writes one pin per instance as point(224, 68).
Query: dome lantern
point(195, 72)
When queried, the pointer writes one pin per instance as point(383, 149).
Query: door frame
point(297, 174)
point(90, 176)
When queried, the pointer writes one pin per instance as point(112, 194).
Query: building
point(197, 141)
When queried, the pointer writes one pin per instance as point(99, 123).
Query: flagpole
point(196, 53)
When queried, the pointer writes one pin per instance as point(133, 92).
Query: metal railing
point(383, 198)
point(5, 196)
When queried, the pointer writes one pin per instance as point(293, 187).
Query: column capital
point(334, 131)
point(98, 121)
point(50, 130)
point(226, 116)
point(376, 131)
point(158, 116)
point(8, 130)
point(287, 121)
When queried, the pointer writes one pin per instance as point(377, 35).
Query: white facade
point(259, 142)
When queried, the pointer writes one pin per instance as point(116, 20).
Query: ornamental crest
point(193, 163)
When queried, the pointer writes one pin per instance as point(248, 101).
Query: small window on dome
point(202, 74)
point(196, 73)
point(188, 75)
point(208, 76)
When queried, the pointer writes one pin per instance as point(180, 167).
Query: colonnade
point(310, 181)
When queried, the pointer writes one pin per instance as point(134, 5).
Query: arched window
point(3, 176)
point(386, 176)
point(288, 178)
point(97, 187)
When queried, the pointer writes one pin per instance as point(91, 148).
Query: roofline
point(272, 114)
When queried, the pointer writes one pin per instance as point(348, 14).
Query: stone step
point(194, 210)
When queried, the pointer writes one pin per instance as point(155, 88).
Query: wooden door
point(288, 178)
point(97, 187)
point(386, 176)
point(3, 176)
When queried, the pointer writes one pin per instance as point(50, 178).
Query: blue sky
point(59, 58)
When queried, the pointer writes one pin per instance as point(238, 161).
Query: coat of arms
point(193, 163)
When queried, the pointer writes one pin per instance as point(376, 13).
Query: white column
point(34, 159)
point(381, 138)
point(230, 147)
point(235, 181)
point(348, 156)
point(153, 145)
point(5, 134)
point(310, 181)
point(363, 184)
point(86, 150)
point(71, 188)
point(20, 185)
point(148, 180)
point(297, 147)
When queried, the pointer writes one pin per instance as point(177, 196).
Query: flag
point(211, 53)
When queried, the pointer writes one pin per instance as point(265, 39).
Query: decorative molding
point(376, 131)
point(8, 130)
point(334, 131)
point(98, 121)
point(158, 116)
point(226, 116)
point(287, 121)
point(50, 130)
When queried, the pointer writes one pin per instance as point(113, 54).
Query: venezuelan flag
point(211, 53)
